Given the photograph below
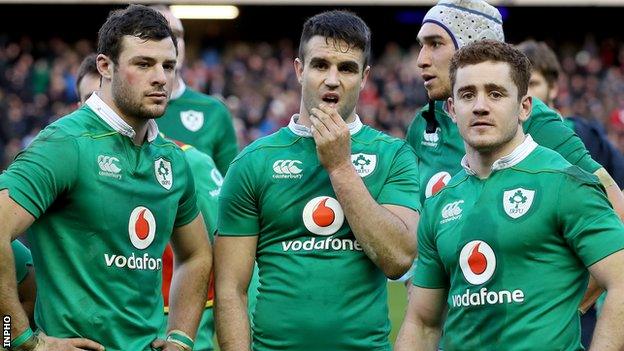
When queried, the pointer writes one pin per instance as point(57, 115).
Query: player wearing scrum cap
point(447, 27)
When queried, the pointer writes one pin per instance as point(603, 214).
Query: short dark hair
point(338, 25)
point(496, 51)
point(543, 59)
point(135, 20)
point(87, 66)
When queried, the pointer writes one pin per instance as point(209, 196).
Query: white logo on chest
point(192, 120)
point(517, 202)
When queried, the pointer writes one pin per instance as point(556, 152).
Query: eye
point(468, 95)
point(319, 65)
point(348, 69)
point(143, 64)
point(169, 66)
point(496, 95)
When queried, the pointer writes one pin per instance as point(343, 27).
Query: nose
point(480, 107)
point(331, 80)
point(160, 76)
point(424, 57)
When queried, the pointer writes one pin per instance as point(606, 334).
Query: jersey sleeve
point(208, 181)
point(187, 206)
point(45, 170)
point(402, 185)
point(227, 147)
point(238, 212)
point(548, 129)
point(23, 260)
point(429, 271)
point(588, 223)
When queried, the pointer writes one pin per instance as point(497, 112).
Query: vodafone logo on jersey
point(477, 262)
point(141, 227)
point(323, 215)
point(436, 183)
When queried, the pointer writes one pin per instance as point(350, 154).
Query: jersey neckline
point(108, 115)
point(516, 156)
point(303, 131)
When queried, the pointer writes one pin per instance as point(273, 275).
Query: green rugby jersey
point(439, 154)
point(22, 259)
point(208, 182)
point(104, 209)
point(202, 121)
point(512, 251)
point(318, 289)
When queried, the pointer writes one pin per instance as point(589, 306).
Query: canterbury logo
point(107, 164)
point(452, 211)
point(431, 137)
point(287, 169)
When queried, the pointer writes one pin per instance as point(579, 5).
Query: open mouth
point(331, 99)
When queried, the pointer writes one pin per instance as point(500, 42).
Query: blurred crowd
point(258, 84)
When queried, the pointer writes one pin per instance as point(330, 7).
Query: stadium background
point(248, 63)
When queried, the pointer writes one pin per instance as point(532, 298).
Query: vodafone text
point(485, 297)
point(329, 243)
point(134, 262)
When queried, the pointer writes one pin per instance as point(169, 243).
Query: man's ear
point(526, 106)
point(299, 69)
point(450, 105)
point(105, 66)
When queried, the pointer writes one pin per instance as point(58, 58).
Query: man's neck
point(304, 117)
point(481, 161)
point(138, 124)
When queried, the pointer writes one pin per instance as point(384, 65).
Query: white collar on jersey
point(178, 92)
point(111, 118)
point(520, 153)
point(301, 130)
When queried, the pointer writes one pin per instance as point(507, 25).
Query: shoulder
point(546, 161)
point(541, 111)
point(81, 122)
point(370, 135)
point(264, 146)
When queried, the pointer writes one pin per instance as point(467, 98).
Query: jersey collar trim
point(303, 131)
point(178, 92)
point(520, 153)
point(111, 118)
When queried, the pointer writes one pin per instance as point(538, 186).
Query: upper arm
point(426, 306)
point(238, 209)
point(609, 270)
point(234, 261)
point(42, 172)
point(587, 221)
point(14, 219)
point(402, 184)
point(191, 239)
point(408, 216)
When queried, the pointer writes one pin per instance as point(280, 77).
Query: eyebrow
point(429, 38)
point(466, 88)
point(492, 86)
point(150, 59)
point(488, 87)
point(350, 64)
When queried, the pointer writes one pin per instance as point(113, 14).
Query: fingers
point(82, 343)
point(327, 123)
point(158, 344)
